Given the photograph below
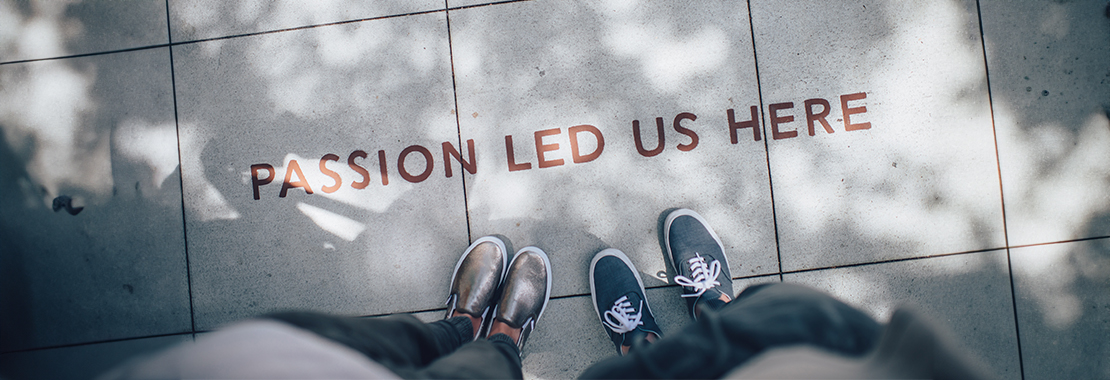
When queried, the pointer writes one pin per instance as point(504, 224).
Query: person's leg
point(527, 289)
point(404, 344)
point(401, 343)
point(728, 332)
point(759, 319)
point(494, 358)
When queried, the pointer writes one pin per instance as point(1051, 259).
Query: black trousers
point(761, 317)
point(416, 350)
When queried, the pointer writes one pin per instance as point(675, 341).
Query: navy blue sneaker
point(619, 299)
point(698, 258)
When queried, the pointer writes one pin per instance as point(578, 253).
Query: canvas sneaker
point(698, 258)
point(620, 300)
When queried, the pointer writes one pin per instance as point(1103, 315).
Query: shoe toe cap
point(478, 277)
point(526, 290)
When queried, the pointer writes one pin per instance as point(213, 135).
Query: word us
point(815, 111)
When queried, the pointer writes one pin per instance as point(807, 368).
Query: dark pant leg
point(496, 358)
point(401, 342)
point(760, 318)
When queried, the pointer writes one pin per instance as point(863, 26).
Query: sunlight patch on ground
point(142, 142)
point(338, 225)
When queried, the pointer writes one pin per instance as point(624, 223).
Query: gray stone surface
point(81, 362)
point(1050, 80)
point(968, 293)
point(1063, 299)
point(275, 98)
point(201, 19)
point(48, 29)
point(526, 67)
point(100, 131)
point(923, 180)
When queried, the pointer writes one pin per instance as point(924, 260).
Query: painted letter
point(693, 136)
point(361, 170)
point(577, 158)
point(427, 168)
point(776, 119)
point(330, 173)
point(513, 166)
point(819, 116)
point(381, 165)
point(259, 182)
point(752, 123)
point(301, 182)
point(450, 151)
point(541, 148)
point(848, 112)
point(659, 136)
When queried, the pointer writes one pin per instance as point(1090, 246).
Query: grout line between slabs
point(1001, 190)
point(458, 124)
point(251, 34)
point(766, 146)
point(180, 175)
point(1060, 242)
point(71, 345)
point(888, 261)
point(148, 47)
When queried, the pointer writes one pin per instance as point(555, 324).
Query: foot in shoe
point(524, 297)
point(475, 281)
point(698, 258)
point(620, 301)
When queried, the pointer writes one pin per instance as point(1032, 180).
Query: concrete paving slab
point(342, 239)
point(1063, 309)
point(202, 19)
point(968, 293)
point(1050, 81)
point(540, 72)
point(91, 240)
point(49, 29)
point(905, 166)
point(81, 362)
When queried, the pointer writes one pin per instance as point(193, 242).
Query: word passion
point(816, 112)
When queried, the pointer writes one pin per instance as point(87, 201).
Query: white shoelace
point(705, 275)
point(621, 318)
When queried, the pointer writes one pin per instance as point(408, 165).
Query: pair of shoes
point(618, 292)
point(525, 284)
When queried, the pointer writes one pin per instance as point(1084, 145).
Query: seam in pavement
point(1001, 191)
point(303, 27)
point(181, 177)
point(766, 146)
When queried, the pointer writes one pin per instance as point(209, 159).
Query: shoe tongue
point(713, 255)
point(633, 298)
